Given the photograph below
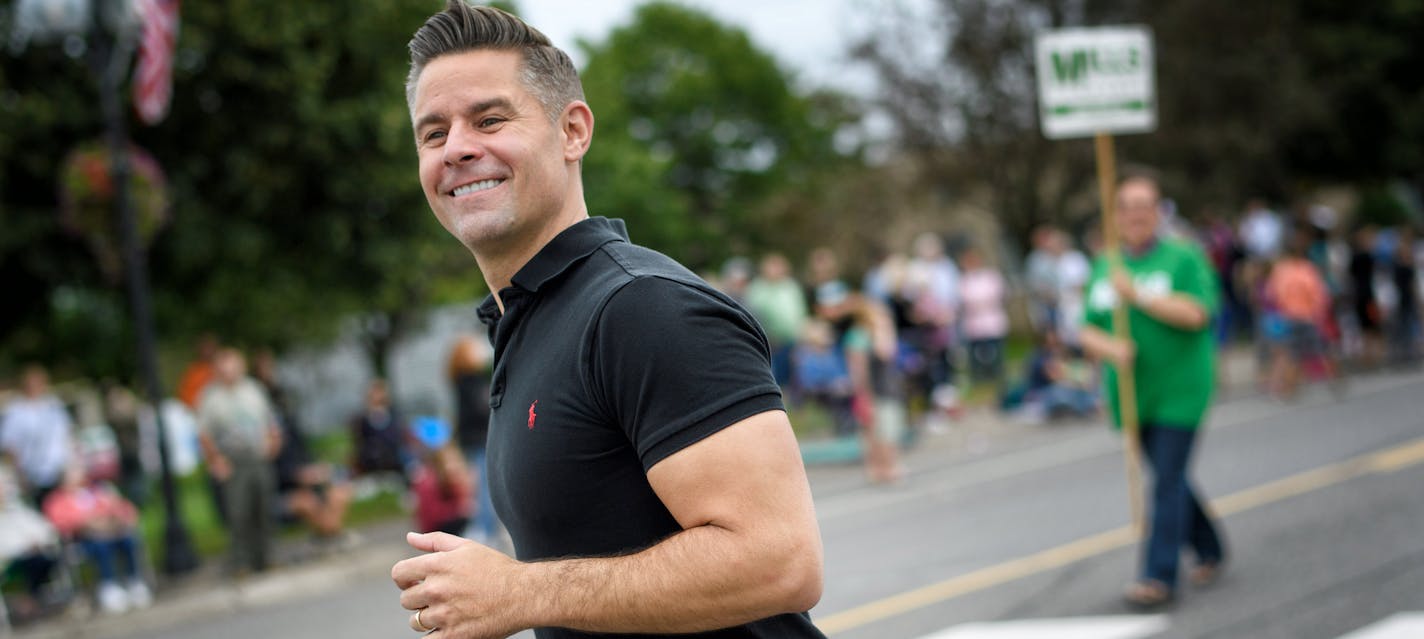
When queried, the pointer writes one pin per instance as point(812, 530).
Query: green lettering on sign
point(1068, 109)
point(1072, 69)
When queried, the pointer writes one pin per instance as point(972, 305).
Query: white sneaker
point(112, 598)
point(139, 594)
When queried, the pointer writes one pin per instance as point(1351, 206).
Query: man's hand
point(1121, 352)
point(219, 467)
point(463, 590)
point(273, 442)
point(1122, 283)
point(749, 549)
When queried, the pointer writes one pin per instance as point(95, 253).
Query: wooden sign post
point(1097, 82)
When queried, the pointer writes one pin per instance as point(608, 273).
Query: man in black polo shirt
point(638, 450)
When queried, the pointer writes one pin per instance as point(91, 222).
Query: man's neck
point(1138, 250)
point(500, 267)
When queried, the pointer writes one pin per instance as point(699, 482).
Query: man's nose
point(462, 145)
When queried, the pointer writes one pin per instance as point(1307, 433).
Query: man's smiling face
point(492, 164)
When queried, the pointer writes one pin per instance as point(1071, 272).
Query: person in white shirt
point(1041, 278)
point(1262, 231)
point(1073, 273)
point(238, 432)
point(37, 435)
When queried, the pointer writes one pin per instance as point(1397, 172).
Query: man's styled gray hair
point(546, 72)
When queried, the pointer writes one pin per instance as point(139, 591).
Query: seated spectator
point(443, 487)
point(29, 546)
point(1057, 383)
point(308, 492)
point(380, 435)
point(104, 524)
point(821, 377)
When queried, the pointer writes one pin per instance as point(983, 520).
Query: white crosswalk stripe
point(1405, 625)
point(1121, 627)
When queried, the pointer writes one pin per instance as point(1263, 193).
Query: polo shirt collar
point(567, 248)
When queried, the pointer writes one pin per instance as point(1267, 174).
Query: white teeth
point(476, 186)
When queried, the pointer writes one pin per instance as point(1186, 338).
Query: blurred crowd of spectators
point(70, 495)
point(1314, 295)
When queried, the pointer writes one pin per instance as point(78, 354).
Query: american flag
point(153, 79)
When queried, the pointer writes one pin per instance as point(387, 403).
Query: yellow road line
point(1383, 461)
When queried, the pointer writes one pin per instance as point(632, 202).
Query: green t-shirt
point(1175, 369)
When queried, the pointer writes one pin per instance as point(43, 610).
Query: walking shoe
point(139, 594)
point(112, 598)
point(1205, 574)
point(1147, 594)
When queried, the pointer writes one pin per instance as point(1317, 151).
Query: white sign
point(1097, 80)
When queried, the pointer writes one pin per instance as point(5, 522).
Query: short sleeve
point(1196, 279)
point(671, 364)
point(1099, 298)
point(856, 340)
point(203, 415)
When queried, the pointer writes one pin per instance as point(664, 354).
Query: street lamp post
point(108, 60)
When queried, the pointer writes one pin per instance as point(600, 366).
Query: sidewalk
point(205, 593)
point(832, 468)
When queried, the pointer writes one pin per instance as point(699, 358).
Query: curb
point(194, 598)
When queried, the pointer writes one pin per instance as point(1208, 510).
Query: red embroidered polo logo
point(532, 415)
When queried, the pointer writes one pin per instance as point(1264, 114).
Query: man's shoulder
point(640, 261)
point(618, 265)
point(1190, 250)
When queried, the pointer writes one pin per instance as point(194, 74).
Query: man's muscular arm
point(750, 548)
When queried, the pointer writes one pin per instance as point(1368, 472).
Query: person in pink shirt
point(104, 524)
point(443, 488)
point(983, 322)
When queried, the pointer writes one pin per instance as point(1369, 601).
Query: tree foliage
point(698, 131)
point(1253, 98)
point(292, 174)
point(293, 180)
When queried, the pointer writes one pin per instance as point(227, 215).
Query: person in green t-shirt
point(1171, 295)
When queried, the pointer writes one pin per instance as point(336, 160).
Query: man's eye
point(489, 122)
point(433, 136)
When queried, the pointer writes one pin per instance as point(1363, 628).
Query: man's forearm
point(1176, 310)
point(702, 578)
point(1097, 343)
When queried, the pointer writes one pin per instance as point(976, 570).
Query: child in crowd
point(443, 487)
point(879, 388)
point(104, 524)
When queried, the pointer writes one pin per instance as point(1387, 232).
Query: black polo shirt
point(610, 357)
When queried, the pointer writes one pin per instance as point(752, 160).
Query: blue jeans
point(1177, 516)
point(102, 551)
point(781, 364)
point(484, 525)
point(1076, 400)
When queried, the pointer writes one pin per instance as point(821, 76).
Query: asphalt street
point(1000, 524)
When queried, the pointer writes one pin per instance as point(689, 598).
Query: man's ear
point(577, 127)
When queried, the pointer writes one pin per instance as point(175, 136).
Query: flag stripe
point(153, 76)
